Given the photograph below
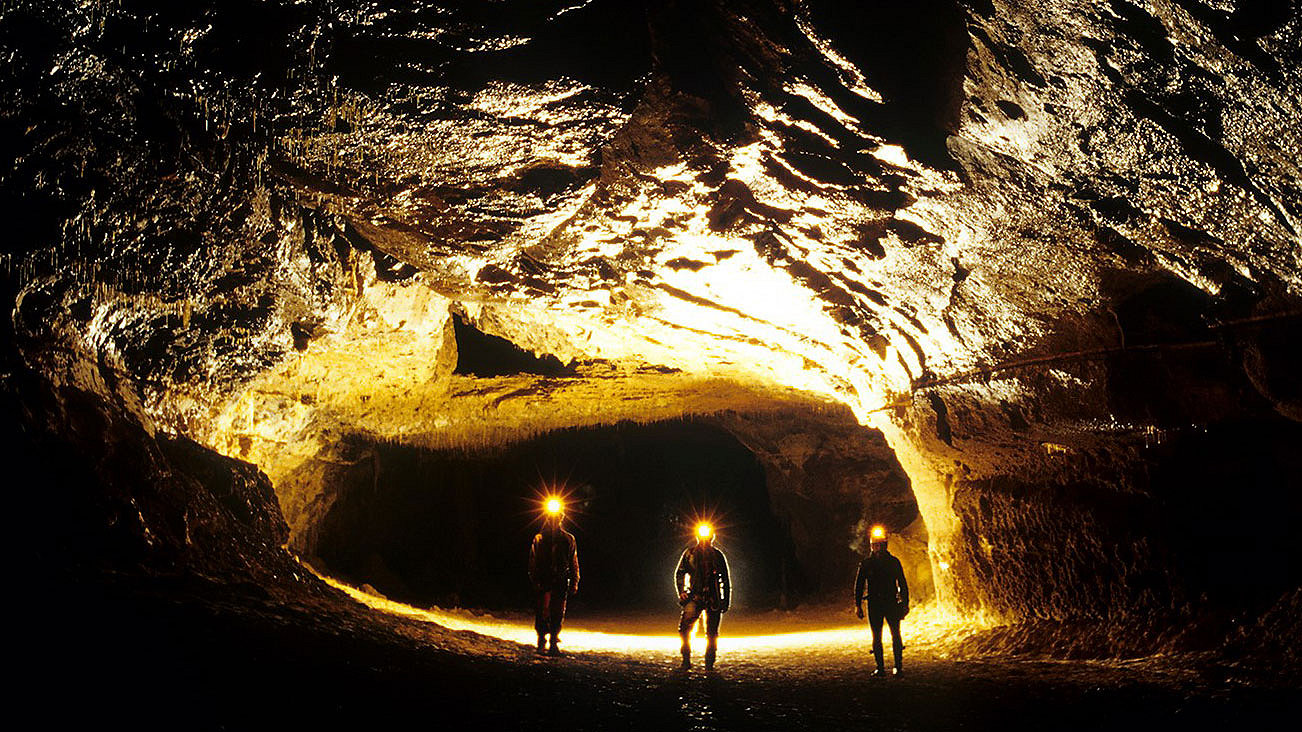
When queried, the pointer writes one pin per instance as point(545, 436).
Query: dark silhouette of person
point(709, 591)
point(554, 572)
point(880, 580)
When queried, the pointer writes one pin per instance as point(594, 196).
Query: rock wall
point(100, 493)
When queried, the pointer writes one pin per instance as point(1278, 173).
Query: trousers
point(691, 612)
point(875, 618)
point(549, 611)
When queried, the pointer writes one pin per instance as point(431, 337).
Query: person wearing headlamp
point(880, 581)
point(554, 573)
point(703, 587)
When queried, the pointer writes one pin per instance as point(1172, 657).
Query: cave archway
point(451, 527)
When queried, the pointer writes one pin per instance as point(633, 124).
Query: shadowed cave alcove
point(452, 528)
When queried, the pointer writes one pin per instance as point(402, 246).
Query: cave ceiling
point(694, 206)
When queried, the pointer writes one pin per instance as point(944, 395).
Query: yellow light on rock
point(704, 531)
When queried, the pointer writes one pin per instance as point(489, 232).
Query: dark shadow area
point(454, 529)
point(1230, 496)
point(481, 354)
point(1178, 370)
point(915, 55)
point(604, 43)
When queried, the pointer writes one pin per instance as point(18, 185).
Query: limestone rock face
point(1046, 248)
point(97, 489)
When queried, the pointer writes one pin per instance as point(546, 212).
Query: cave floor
point(191, 654)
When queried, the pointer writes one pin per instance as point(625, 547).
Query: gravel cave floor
point(157, 653)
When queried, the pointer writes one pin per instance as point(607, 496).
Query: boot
point(542, 643)
point(553, 649)
point(711, 649)
point(687, 656)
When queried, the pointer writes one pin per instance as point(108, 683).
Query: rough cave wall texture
point(97, 490)
point(1049, 249)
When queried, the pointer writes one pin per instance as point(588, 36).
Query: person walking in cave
point(709, 591)
point(880, 580)
point(554, 573)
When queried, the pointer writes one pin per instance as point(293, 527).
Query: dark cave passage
point(453, 529)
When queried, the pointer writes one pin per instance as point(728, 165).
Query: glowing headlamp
point(704, 530)
point(878, 533)
point(553, 506)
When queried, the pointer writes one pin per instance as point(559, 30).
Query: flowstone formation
point(1049, 250)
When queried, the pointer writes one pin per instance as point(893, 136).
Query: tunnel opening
point(452, 528)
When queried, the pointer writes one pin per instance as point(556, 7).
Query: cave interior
point(308, 305)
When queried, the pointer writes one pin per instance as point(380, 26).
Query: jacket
point(554, 561)
point(880, 580)
point(708, 569)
